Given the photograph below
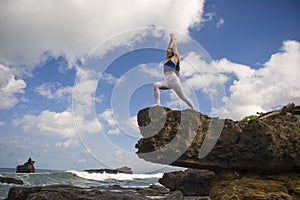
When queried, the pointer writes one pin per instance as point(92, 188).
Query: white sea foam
point(118, 176)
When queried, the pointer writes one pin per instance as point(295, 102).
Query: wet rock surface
point(10, 180)
point(67, 192)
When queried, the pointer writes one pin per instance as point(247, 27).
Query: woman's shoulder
point(175, 59)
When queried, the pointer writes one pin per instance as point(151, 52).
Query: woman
point(171, 72)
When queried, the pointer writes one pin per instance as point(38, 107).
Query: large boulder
point(270, 143)
point(191, 182)
point(27, 167)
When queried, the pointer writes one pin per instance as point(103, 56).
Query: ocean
point(44, 177)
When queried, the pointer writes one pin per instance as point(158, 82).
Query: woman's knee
point(156, 85)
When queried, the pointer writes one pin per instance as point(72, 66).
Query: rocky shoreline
point(255, 159)
point(68, 192)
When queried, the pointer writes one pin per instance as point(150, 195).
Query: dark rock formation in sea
point(10, 180)
point(125, 170)
point(26, 167)
point(63, 192)
point(255, 159)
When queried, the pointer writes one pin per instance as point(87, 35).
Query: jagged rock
point(10, 180)
point(63, 192)
point(191, 182)
point(255, 186)
point(269, 144)
point(27, 167)
point(177, 195)
point(288, 108)
point(125, 169)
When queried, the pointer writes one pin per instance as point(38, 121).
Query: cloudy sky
point(74, 74)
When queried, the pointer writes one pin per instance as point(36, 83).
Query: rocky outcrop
point(10, 180)
point(228, 185)
point(255, 159)
point(267, 144)
point(125, 170)
point(256, 186)
point(63, 192)
point(191, 182)
point(27, 167)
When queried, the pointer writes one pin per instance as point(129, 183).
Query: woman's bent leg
point(176, 86)
point(156, 87)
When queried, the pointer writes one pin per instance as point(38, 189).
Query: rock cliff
point(247, 159)
point(267, 144)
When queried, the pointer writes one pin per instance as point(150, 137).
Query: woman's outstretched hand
point(172, 36)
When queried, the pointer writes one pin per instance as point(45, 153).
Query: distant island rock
point(125, 170)
point(26, 167)
point(251, 159)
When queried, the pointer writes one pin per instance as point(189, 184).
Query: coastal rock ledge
point(250, 159)
point(270, 143)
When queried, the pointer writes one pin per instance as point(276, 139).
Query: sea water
point(76, 178)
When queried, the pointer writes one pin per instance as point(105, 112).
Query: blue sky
point(74, 74)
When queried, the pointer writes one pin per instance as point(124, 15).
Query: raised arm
point(173, 40)
point(169, 44)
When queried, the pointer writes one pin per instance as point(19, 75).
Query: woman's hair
point(178, 63)
point(178, 66)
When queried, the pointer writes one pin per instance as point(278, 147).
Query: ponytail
point(178, 66)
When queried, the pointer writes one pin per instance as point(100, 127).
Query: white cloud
point(49, 123)
point(114, 127)
point(54, 91)
point(276, 84)
point(110, 78)
point(84, 90)
point(220, 22)
point(199, 74)
point(208, 16)
point(2, 123)
point(132, 124)
point(73, 28)
point(69, 143)
point(107, 118)
point(156, 70)
point(115, 131)
point(10, 88)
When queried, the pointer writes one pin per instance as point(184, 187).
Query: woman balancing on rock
point(171, 72)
